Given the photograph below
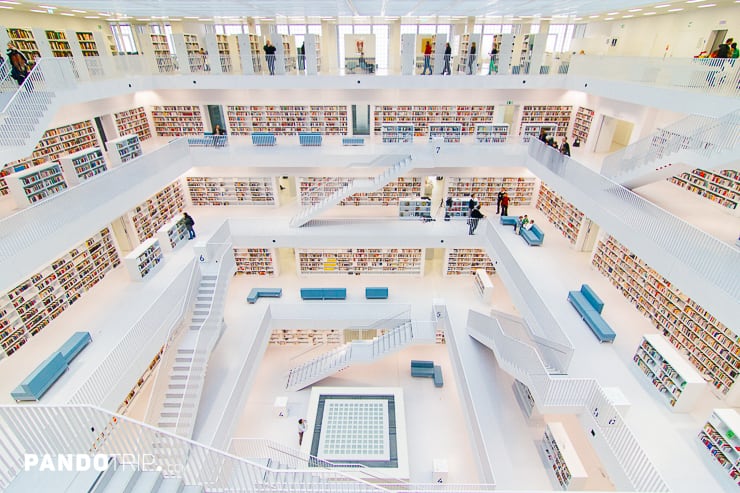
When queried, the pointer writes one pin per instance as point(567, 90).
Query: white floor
point(439, 430)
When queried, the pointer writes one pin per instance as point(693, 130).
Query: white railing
point(39, 222)
point(563, 394)
point(208, 334)
point(116, 375)
point(95, 67)
point(704, 136)
point(718, 76)
point(698, 252)
point(209, 141)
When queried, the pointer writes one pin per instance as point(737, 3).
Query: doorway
point(587, 236)
point(716, 37)
point(507, 115)
point(612, 134)
point(125, 240)
point(216, 115)
point(360, 119)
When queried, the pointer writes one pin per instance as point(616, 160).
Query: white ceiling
point(205, 9)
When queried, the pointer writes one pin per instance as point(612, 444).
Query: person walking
point(302, 56)
point(472, 203)
point(493, 62)
point(18, 63)
point(471, 58)
point(270, 56)
point(565, 147)
point(189, 222)
point(475, 216)
point(499, 196)
point(448, 56)
point(301, 430)
point(505, 204)
point(427, 58)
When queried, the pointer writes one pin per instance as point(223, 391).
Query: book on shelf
point(561, 213)
point(144, 259)
point(719, 437)
point(721, 187)
point(356, 261)
point(256, 261)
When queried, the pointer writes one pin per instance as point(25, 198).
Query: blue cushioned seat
point(376, 293)
point(263, 139)
point(589, 305)
point(33, 387)
point(533, 236)
point(74, 345)
point(309, 138)
point(257, 293)
point(508, 220)
point(438, 380)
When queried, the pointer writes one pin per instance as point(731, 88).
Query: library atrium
point(369, 246)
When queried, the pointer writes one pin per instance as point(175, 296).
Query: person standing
point(189, 222)
point(448, 55)
point(427, 58)
point(492, 68)
point(204, 59)
point(505, 204)
point(499, 196)
point(270, 56)
point(448, 208)
point(472, 203)
point(301, 430)
point(18, 63)
point(475, 216)
point(565, 147)
point(471, 58)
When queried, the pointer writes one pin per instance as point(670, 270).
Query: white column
point(245, 54)
point(408, 56)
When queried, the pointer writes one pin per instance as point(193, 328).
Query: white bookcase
point(465, 261)
point(447, 132)
point(205, 190)
point(31, 185)
point(562, 457)
point(133, 121)
point(678, 383)
point(491, 133)
point(173, 234)
point(520, 188)
point(458, 209)
point(483, 285)
point(124, 149)
point(144, 259)
point(344, 261)
point(306, 336)
point(82, 165)
point(561, 213)
point(288, 120)
point(582, 124)
point(414, 208)
point(176, 121)
point(554, 115)
point(531, 131)
point(313, 189)
point(722, 188)
point(256, 261)
point(524, 398)
point(421, 115)
point(719, 436)
point(150, 215)
point(397, 133)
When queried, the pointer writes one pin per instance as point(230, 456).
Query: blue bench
point(353, 141)
point(323, 293)
point(309, 138)
point(533, 236)
point(257, 293)
point(35, 385)
point(589, 307)
point(209, 140)
point(376, 293)
point(427, 369)
point(74, 345)
point(509, 220)
point(263, 139)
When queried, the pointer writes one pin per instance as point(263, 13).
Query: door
point(123, 237)
point(360, 119)
point(216, 115)
point(716, 37)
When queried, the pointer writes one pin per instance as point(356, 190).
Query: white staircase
point(396, 166)
point(693, 142)
point(343, 356)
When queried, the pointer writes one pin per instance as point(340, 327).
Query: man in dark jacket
point(270, 56)
point(18, 64)
point(475, 216)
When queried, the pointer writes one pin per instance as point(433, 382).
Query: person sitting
point(518, 224)
point(217, 130)
point(529, 225)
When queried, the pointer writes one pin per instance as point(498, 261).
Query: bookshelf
point(561, 457)
point(133, 121)
point(288, 120)
point(172, 235)
point(25, 42)
point(582, 124)
point(558, 116)
point(313, 189)
point(414, 208)
point(157, 210)
point(176, 121)
point(141, 381)
point(306, 336)
point(531, 131)
point(483, 285)
point(464, 53)
point(124, 149)
point(54, 143)
point(38, 183)
point(255, 47)
point(722, 188)
point(397, 133)
point(678, 383)
point(328, 119)
point(224, 53)
point(466, 261)
point(421, 116)
point(83, 165)
point(343, 261)
point(447, 132)
point(31, 305)
point(192, 47)
point(144, 259)
point(162, 55)
point(87, 43)
point(710, 346)
point(58, 43)
point(524, 398)
point(721, 441)
point(491, 133)
point(256, 261)
point(561, 213)
point(205, 190)
point(524, 55)
point(520, 189)
point(459, 208)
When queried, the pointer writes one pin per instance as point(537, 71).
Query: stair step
point(170, 485)
point(123, 480)
point(148, 482)
point(192, 489)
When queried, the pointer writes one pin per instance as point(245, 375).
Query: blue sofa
point(509, 220)
point(309, 138)
point(35, 385)
point(589, 307)
point(74, 345)
point(427, 369)
point(257, 293)
point(263, 139)
point(323, 293)
point(533, 236)
point(376, 293)
point(353, 141)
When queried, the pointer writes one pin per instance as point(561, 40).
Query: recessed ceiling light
point(92, 17)
point(578, 19)
point(694, 1)
point(707, 5)
point(46, 7)
point(80, 11)
point(649, 13)
point(674, 10)
point(190, 17)
point(5, 7)
point(11, 2)
point(613, 13)
point(627, 16)
point(143, 20)
point(176, 20)
point(608, 18)
point(67, 14)
point(104, 14)
point(663, 5)
point(634, 10)
point(595, 16)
